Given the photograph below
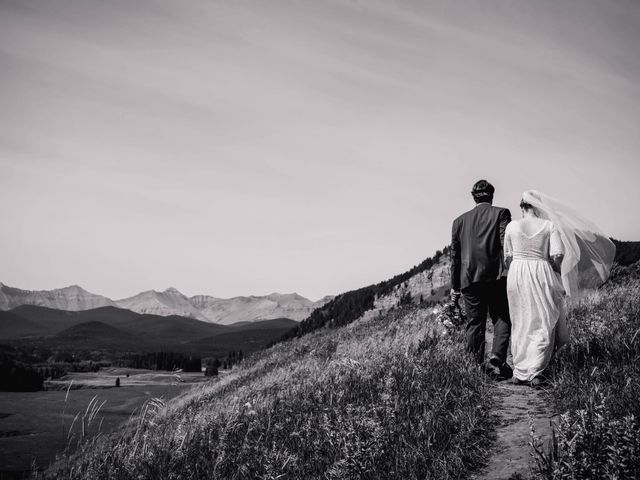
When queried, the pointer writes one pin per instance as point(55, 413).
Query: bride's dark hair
point(528, 207)
point(525, 205)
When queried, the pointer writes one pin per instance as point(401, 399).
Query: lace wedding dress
point(535, 294)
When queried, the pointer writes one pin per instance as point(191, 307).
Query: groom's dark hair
point(482, 191)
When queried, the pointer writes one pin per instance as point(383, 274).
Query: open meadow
point(35, 426)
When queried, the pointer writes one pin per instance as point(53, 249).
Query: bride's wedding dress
point(535, 294)
point(534, 290)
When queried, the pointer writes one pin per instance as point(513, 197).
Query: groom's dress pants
point(482, 298)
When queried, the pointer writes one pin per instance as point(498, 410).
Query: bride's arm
point(556, 262)
point(507, 247)
point(556, 249)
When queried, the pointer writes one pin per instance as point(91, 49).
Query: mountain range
point(169, 302)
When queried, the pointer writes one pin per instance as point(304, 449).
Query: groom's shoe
point(492, 371)
point(539, 381)
point(505, 372)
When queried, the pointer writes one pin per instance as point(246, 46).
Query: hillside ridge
point(424, 284)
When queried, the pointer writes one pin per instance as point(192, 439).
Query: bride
point(551, 252)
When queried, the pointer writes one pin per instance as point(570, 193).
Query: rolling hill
point(121, 330)
point(94, 333)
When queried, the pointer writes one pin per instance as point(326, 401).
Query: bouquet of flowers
point(452, 315)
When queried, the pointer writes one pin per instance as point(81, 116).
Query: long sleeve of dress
point(555, 243)
point(508, 243)
point(505, 219)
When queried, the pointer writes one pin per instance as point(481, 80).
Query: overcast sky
point(246, 147)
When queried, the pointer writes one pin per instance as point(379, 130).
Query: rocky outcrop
point(428, 285)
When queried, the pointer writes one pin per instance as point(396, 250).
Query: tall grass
point(596, 383)
point(390, 397)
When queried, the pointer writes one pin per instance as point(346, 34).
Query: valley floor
point(36, 426)
point(129, 377)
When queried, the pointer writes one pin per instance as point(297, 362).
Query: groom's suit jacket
point(477, 239)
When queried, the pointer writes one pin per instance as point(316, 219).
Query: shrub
point(589, 444)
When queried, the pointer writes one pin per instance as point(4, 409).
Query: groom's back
point(477, 240)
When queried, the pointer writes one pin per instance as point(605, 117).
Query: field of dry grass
point(596, 387)
point(390, 397)
point(129, 377)
point(34, 426)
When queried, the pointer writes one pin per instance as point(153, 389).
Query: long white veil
point(588, 253)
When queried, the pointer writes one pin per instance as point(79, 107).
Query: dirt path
point(517, 406)
point(511, 454)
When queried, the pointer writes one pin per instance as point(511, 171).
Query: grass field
point(390, 397)
point(106, 377)
point(32, 425)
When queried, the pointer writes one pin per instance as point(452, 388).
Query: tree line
point(19, 377)
point(162, 361)
point(627, 253)
point(213, 364)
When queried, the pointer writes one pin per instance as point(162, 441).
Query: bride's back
point(528, 238)
point(530, 226)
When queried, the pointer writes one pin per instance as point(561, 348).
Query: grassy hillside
point(390, 397)
point(596, 386)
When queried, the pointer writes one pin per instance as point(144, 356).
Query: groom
point(478, 273)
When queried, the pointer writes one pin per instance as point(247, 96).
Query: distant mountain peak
point(172, 290)
point(292, 296)
point(72, 288)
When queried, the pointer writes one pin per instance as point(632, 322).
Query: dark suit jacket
point(476, 245)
